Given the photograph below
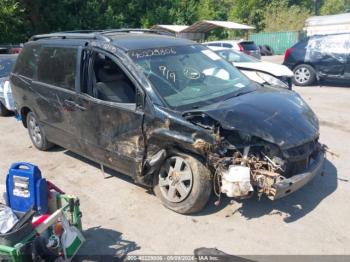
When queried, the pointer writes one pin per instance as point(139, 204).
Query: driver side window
point(109, 82)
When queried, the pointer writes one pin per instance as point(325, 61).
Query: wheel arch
point(24, 112)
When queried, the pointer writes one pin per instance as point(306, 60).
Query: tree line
point(19, 19)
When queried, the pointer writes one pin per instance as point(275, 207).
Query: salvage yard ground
point(119, 216)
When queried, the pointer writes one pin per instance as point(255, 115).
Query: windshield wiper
point(242, 93)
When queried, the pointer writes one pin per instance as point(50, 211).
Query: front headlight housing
point(271, 80)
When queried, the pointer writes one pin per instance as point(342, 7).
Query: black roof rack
point(95, 34)
point(68, 35)
point(133, 30)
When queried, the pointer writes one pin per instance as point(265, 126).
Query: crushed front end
point(243, 163)
point(272, 171)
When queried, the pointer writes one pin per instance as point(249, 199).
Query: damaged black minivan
point(168, 112)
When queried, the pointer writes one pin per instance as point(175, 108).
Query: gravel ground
point(119, 216)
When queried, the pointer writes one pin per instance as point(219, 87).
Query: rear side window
point(27, 61)
point(248, 45)
point(6, 65)
point(57, 66)
point(227, 45)
point(214, 44)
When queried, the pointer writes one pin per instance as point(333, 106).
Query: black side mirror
point(140, 98)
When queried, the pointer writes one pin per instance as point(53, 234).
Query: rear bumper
point(292, 184)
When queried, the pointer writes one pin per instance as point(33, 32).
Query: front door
point(110, 123)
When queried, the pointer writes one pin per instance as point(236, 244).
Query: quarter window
point(227, 45)
point(57, 66)
point(26, 61)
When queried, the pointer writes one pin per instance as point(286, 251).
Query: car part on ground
point(319, 57)
point(266, 50)
point(168, 112)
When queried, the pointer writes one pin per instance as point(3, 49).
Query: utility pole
point(316, 6)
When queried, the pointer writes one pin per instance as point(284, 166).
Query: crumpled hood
point(275, 115)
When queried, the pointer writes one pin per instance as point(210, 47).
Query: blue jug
point(26, 188)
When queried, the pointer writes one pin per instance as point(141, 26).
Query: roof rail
point(135, 30)
point(66, 35)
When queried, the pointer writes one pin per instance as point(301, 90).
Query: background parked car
point(248, 47)
point(250, 65)
point(10, 49)
point(319, 57)
point(6, 100)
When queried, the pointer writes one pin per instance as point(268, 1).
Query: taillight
point(287, 53)
point(240, 48)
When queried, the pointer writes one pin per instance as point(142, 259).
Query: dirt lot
point(119, 216)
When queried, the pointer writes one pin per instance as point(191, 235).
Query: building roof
point(207, 25)
point(328, 24)
point(328, 20)
point(171, 28)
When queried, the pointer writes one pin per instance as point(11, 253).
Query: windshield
point(236, 57)
point(6, 65)
point(190, 76)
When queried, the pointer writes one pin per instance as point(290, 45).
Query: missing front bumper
point(292, 184)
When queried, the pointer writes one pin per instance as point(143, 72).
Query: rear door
point(327, 54)
point(55, 93)
point(110, 122)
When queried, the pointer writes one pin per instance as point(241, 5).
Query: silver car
point(6, 100)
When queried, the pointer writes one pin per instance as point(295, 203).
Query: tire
point(3, 110)
point(304, 75)
point(36, 133)
point(262, 51)
point(192, 178)
point(269, 51)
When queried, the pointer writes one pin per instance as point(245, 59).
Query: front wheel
point(36, 133)
point(183, 184)
point(304, 75)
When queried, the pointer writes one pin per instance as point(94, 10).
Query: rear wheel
point(3, 110)
point(304, 75)
point(183, 184)
point(36, 133)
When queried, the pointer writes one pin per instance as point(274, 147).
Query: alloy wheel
point(302, 75)
point(175, 179)
point(34, 130)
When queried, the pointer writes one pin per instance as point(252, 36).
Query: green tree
point(278, 16)
point(249, 12)
point(11, 22)
point(332, 7)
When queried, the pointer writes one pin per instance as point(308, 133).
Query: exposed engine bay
point(241, 162)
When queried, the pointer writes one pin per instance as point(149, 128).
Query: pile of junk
point(38, 221)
